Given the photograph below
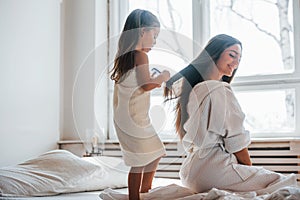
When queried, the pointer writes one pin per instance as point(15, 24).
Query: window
point(175, 40)
point(268, 68)
point(267, 36)
point(267, 83)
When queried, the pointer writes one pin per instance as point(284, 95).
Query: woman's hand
point(243, 157)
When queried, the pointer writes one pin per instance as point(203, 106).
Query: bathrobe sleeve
point(236, 137)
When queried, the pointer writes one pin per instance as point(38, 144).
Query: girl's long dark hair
point(124, 59)
point(193, 74)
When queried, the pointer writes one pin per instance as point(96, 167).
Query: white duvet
point(174, 191)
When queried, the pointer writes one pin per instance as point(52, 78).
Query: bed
point(61, 175)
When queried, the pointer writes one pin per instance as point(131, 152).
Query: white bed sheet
point(93, 195)
point(72, 196)
point(166, 189)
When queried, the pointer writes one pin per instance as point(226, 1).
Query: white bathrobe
point(139, 141)
point(214, 131)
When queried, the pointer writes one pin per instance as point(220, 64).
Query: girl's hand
point(166, 75)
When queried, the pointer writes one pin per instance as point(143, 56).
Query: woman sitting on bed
point(209, 122)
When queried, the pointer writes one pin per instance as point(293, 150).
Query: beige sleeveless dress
point(139, 141)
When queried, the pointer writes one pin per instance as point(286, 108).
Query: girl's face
point(229, 60)
point(148, 38)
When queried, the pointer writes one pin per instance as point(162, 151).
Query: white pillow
point(60, 171)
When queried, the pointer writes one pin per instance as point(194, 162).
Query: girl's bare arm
point(144, 79)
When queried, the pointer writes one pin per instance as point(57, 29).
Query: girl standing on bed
point(141, 147)
point(209, 122)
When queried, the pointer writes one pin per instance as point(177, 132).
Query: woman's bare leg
point(148, 175)
point(134, 182)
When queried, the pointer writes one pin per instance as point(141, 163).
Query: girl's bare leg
point(134, 182)
point(148, 175)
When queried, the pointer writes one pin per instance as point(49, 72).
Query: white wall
point(47, 47)
point(29, 78)
point(84, 60)
point(79, 41)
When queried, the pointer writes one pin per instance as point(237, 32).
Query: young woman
point(140, 144)
point(209, 122)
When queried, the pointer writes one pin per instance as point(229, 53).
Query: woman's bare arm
point(243, 157)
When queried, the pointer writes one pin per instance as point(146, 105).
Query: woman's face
point(229, 60)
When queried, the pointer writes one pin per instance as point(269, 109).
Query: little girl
point(140, 144)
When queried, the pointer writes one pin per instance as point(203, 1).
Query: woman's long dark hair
point(193, 74)
point(124, 60)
